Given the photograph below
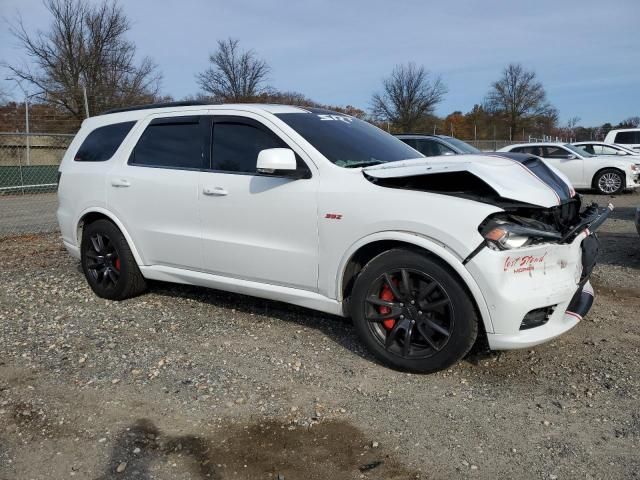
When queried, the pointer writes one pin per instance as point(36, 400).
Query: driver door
point(258, 227)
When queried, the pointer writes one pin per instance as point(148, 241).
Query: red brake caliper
point(117, 264)
point(387, 295)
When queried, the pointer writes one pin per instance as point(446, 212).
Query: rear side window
point(177, 142)
point(236, 144)
point(102, 143)
point(627, 137)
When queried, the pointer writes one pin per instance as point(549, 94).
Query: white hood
point(510, 178)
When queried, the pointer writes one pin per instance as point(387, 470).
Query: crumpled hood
point(514, 176)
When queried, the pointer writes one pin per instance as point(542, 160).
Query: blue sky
point(586, 52)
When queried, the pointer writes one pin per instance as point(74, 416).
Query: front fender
point(430, 245)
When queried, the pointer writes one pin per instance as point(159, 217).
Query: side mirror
point(571, 157)
point(621, 153)
point(272, 159)
point(446, 154)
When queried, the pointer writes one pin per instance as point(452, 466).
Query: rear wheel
point(610, 181)
point(412, 313)
point(108, 264)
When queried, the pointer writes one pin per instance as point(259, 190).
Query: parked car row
point(608, 168)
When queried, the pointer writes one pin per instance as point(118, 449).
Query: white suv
point(627, 137)
point(326, 211)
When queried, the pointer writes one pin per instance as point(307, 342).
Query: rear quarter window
point(102, 143)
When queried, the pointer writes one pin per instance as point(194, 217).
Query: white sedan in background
point(606, 173)
point(601, 148)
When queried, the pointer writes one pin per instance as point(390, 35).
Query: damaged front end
point(538, 204)
point(534, 256)
point(522, 226)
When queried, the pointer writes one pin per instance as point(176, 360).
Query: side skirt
point(295, 296)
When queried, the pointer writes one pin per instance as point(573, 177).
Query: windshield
point(347, 141)
point(578, 150)
point(464, 147)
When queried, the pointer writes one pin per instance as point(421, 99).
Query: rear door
point(255, 226)
point(155, 191)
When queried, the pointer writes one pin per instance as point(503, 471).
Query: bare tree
point(234, 75)
point(519, 96)
point(409, 94)
point(85, 47)
point(631, 122)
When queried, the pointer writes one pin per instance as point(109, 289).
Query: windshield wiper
point(364, 163)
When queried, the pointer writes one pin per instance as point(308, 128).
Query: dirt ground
point(189, 383)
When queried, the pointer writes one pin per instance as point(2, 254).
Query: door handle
point(120, 182)
point(214, 191)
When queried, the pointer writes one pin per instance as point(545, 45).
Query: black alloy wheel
point(412, 311)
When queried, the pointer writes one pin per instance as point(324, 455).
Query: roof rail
point(187, 103)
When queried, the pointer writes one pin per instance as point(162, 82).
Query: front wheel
point(610, 182)
point(412, 313)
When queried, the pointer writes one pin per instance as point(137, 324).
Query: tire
point(609, 181)
point(108, 264)
point(441, 322)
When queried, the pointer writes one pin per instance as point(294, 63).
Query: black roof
point(187, 103)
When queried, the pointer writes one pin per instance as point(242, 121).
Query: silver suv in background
point(436, 145)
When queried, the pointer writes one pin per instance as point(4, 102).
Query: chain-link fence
point(28, 178)
point(491, 145)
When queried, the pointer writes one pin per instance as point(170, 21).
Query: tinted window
point(555, 152)
point(178, 142)
point(102, 143)
point(236, 144)
point(347, 141)
point(412, 142)
point(530, 150)
point(464, 147)
point(592, 149)
point(433, 148)
point(627, 137)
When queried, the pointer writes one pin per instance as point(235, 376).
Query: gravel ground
point(189, 383)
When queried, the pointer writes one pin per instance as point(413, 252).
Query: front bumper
point(553, 278)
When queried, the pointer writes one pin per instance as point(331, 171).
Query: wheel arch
point(367, 248)
point(600, 170)
point(92, 214)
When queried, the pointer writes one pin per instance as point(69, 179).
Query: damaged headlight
point(505, 236)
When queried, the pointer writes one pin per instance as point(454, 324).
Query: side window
point(102, 143)
point(555, 152)
point(173, 142)
point(412, 142)
point(592, 149)
point(627, 137)
point(531, 150)
point(237, 142)
point(443, 149)
point(428, 148)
